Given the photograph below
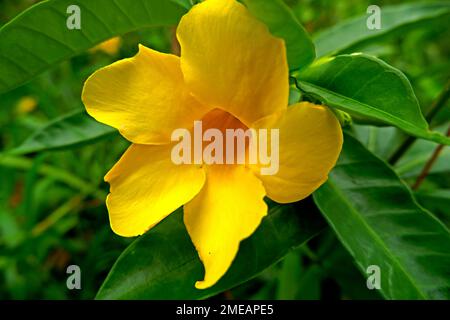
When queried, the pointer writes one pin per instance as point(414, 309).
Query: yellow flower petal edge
point(144, 97)
point(146, 187)
point(110, 46)
point(231, 61)
point(227, 210)
point(310, 143)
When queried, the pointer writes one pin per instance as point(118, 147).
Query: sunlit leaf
point(368, 89)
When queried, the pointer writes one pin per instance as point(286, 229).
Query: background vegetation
point(52, 211)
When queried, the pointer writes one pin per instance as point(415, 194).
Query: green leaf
point(377, 219)
point(163, 264)
point(438, 201)
point(65, 132)
point(38, 38)
point(413, 161)
point(381, 141)
point(394, 19)
point(409, 167)
point(368, 89)
point(309, 287)
point(283, 24)
point(339, 265)
point(289, 277)
point(187, 4)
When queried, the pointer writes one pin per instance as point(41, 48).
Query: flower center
point(224, 137)
point(221, 120)
point(220, 138)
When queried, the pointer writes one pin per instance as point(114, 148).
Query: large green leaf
point(379, 222)
point(339, 265)
point(163, 264)
point(368, 89)
point(394, 19)
point(382, 141)
point(437, 200)
point(283, 23)
point(64, 132)
point(38, 38)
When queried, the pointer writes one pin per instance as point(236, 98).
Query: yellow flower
point(110, 46)
point(232, 73)
point(26, 105)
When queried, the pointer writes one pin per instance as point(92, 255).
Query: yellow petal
point(146, 187)
point(231, 61)
point(309, 146)
point(110, 46)
point(227, 210)
point(144, 97)
point(26, 105)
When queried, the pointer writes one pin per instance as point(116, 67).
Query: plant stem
point(438, 104)
point(63, 176)
point(426, 169)
point(309, 253)
point(57, 215)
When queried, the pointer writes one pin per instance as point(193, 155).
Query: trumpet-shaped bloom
point(232, 74)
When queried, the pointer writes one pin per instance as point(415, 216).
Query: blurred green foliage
point(52, 211)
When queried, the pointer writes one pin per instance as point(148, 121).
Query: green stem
point(57, 215)
point(309, 253)
point(63, 176)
